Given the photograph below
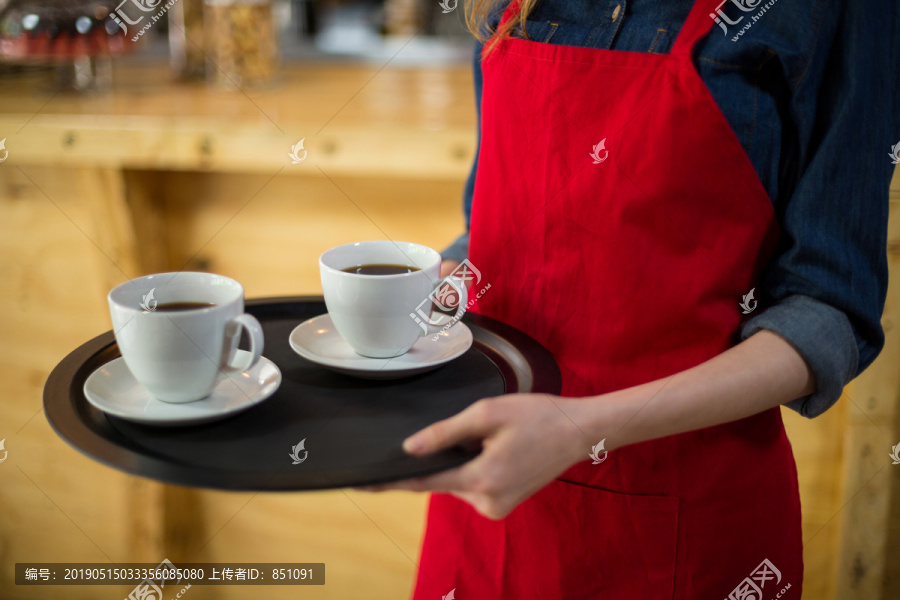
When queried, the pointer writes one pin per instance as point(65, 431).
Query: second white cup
point(375, 314)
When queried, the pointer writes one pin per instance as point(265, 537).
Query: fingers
point(475, 422)
point(447, 267)
point(446, 481)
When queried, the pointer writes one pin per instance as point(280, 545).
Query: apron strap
point(511, 9)
point(702, 17)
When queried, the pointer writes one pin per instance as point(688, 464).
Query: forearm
point(755, 375)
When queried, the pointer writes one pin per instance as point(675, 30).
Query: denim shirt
point(810, 89)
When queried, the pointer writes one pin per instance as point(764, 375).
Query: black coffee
point(174, 306)
point(380, 269)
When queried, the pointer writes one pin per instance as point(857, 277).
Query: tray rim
point(63, 398)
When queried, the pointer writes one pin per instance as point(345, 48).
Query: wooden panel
point(368, 542)
point(818, 452)
point(269, 234)
point(56, 504)
point(870, 532)
point(891, 579)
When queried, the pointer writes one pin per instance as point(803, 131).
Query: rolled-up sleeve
point(823, 336)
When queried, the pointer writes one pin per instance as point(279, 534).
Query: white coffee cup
point(180, 355)
point(376, 314)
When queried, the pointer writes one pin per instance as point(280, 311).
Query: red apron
point(627, 262)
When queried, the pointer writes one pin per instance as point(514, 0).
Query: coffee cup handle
point(460, 286)
point(233, 336)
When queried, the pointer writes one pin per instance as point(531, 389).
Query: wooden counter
point(159, 176)
point(359, 121)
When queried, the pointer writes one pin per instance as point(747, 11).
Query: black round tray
point(353, 427)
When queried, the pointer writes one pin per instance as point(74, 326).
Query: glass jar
point(242, 41)
point(187, 47)
point(78, 37)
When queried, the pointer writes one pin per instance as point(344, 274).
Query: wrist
point(616, 417)
point(586, 425)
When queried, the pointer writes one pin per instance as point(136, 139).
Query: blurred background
point(245, 137)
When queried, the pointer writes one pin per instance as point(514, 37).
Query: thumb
point(470, 424)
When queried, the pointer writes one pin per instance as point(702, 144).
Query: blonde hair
point(478, 15)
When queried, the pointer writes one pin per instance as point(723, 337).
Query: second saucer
point(318, 341)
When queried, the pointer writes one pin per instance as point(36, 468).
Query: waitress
point(626, 205)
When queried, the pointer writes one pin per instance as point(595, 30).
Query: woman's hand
point(527, 440)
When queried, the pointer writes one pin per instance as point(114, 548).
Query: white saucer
point(317, 340)
point(114, 390)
